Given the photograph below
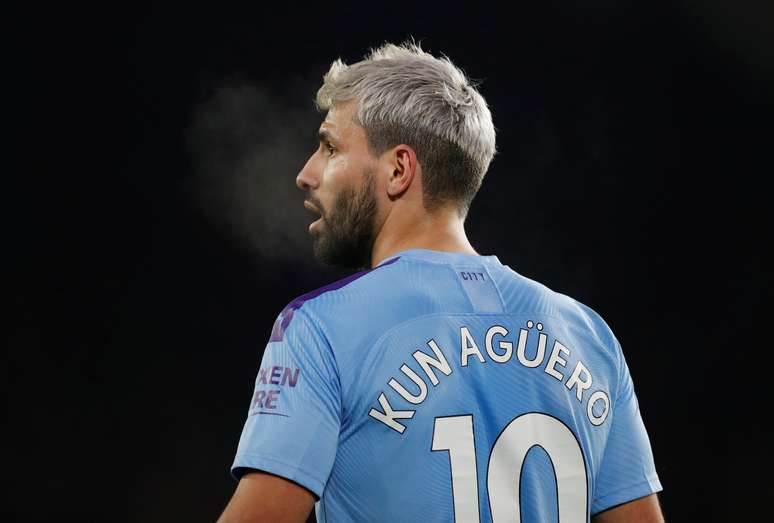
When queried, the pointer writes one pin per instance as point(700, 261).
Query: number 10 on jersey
point(454, 434)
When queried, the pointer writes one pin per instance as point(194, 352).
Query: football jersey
point(447, 387)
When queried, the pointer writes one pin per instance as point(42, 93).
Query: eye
point(329, 148)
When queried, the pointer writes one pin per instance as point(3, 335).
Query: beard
point(347, 236)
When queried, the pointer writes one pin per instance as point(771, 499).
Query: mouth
point(310, 207)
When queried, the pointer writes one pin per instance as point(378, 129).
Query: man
point(439, 385)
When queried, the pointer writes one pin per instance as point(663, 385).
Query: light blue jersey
point(447, 387)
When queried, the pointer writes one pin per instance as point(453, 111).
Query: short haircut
point(406, 95)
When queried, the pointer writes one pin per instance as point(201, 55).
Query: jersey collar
point(441, 257)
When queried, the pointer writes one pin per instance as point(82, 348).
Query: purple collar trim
point(282, 323)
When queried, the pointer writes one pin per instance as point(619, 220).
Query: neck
point(442, 230)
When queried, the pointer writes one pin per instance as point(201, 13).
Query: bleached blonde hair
point(407, 95)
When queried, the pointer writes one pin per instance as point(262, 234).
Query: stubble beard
point(347, 238)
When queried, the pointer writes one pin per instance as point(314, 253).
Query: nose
point(308, 178)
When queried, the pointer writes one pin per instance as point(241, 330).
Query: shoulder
point(336, 301)
point(527, 294)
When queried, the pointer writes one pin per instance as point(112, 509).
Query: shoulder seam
point(338, 284)
point(285, 317)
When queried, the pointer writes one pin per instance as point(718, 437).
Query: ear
point(402, 160)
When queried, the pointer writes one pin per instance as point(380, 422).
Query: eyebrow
point(324, 136)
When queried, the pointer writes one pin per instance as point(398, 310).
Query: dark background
point(154, 232)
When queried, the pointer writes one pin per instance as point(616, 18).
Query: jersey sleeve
point(627, 471)
point(292, 425)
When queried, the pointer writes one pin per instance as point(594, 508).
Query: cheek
point(330, 184)
point(336, 169)
point(336, 175)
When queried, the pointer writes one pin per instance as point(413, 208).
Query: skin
point(643, 510)
point(369, 209)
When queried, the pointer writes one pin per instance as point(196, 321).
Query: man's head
point(402, 128)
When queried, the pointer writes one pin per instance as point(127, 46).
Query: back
point(446, 387)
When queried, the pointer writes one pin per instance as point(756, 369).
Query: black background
point(634, 150)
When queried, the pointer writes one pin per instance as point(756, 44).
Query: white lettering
point(426, 361)
point(467, 347)
point(500, 348)
point(400, 389)
point(554, 359)
point(575, 380)
point(389, 415)
point(598, 396)
point(507, 346)
point(521, 350)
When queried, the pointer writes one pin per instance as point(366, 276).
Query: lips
point(311, 207)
